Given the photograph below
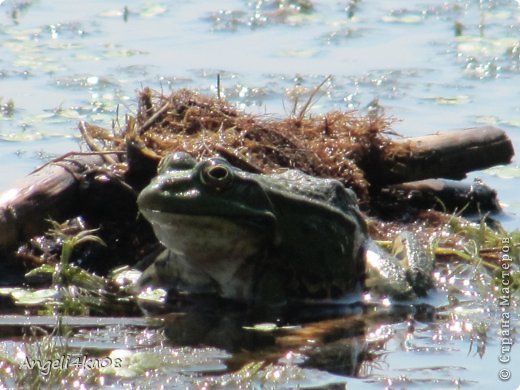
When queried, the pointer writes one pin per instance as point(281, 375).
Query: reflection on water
point(435, 65)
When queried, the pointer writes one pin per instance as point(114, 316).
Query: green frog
point(265, 238)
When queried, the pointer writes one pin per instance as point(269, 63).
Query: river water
point(433, 65)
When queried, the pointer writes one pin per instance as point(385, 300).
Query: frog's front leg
point(168, 271)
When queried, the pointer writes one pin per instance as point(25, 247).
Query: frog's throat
point(213, 245)
point(169, 226)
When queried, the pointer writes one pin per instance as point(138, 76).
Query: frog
point(270, 238)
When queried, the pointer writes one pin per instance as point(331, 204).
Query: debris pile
point(326, 146)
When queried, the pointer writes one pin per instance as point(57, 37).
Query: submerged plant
point(485, 249)
point(77, 288)
point(73, 290)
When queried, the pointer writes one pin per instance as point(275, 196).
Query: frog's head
point(209, 205)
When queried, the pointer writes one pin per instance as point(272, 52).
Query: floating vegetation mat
point(331, 145)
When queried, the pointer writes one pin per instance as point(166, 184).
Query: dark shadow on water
point(331, 337)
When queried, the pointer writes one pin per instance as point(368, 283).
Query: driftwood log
point(439, 194)
point(51, 192)
point(448, 155)
point(63, 189)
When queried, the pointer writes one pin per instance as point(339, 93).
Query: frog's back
point(328, 192)
point(322, 232)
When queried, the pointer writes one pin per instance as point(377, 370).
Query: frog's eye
point(216, 174)
point(177, 161)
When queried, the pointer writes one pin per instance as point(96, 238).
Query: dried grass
point(330, 145)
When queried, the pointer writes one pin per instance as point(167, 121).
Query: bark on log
point(448, 155)
point(50, 192)
point(440, 194)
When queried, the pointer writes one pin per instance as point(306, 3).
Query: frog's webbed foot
point(404, 275)
point(416, 260)
point(385, 275)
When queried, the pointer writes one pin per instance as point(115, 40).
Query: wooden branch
point(447, 155)
point(440, 194)
point(49, 192)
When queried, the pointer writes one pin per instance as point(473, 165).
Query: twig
point(70, 154)
point(311, 97)
point(236, 160)
point(86, 136)
point(218, 86)
point(92, 145)
point(153, 118)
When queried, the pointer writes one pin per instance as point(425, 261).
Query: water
point(65, 61)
